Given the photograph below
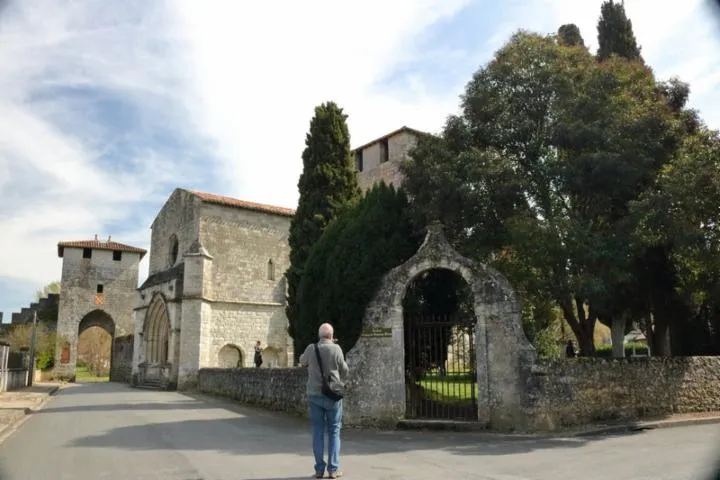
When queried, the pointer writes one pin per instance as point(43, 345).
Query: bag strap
point(317, 353)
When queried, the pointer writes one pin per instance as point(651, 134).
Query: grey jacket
point(333, 363)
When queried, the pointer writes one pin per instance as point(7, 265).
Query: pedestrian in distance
point(258, 354)
point(327, 370)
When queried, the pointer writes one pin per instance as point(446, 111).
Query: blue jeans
point(325, 416)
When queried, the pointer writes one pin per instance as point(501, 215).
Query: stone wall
point(177, 219)
point(582, 391)
point(280, 389)
point(121, 365)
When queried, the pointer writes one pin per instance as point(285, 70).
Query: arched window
point(173, 253)
point(270, 270)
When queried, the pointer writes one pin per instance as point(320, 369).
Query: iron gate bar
point(441, 379)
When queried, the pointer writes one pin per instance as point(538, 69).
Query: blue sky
point(106, 107)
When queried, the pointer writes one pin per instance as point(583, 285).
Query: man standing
point(325, 413)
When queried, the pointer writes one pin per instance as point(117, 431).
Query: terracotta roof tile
point(236, 203)
point(99, 245)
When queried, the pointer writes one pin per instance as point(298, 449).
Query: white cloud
point(260, 72)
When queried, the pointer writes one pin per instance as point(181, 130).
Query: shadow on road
point(261, 433)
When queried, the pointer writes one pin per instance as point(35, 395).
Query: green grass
point(452, 388)
point(82, 374)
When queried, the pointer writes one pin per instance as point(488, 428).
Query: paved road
point(109, 431)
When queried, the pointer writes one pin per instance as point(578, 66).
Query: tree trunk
point(660, 346)
point(582, 326)
point(617, 334)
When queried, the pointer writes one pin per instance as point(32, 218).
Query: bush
point(605, 351)
point(347, 264)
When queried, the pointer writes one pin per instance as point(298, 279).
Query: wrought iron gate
point(440, 368)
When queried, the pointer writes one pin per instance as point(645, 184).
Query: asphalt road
point(109, 431)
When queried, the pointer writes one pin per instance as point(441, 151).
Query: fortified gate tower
point(98, 288)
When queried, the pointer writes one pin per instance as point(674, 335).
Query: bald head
point(325, 331)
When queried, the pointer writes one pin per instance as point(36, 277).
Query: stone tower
point(98, 288)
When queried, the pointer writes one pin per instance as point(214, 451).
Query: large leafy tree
point(347, 264)
point(680, 215)
point(537, 172)
point(327, 185)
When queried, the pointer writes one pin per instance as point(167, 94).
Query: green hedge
point(347, 264)
point(606, 350)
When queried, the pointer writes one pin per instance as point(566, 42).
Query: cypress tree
point(327, 185)
point(615, 33)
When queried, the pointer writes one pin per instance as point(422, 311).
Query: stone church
point(215, 287)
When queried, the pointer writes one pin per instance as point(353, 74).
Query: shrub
point(605, 351)
point(347, 264)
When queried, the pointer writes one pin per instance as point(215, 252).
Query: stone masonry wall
point(582, 391)
point(373, 171)
point(177, 217)
point(242, 242)
point(242, 325)
point(280, 389)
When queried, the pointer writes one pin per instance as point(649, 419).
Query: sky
point(107, 107)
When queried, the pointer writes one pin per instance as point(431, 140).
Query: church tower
point(98, 288)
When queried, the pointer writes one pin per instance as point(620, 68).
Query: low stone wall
point(281, 389)
point(561, 393)
point(581, 391)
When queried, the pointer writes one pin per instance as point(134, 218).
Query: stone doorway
point(155, 368)
point(96, 333)
point(503, 355)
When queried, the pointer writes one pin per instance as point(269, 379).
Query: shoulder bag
point(336, 391)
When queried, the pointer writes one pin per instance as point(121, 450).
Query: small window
point(174, 248)
point(270, 270)
point(359, 160)
point(384, 150)
point(87, 252)
point(100, 288)
point(117, 255)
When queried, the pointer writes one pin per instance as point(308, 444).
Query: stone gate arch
point(504, 356)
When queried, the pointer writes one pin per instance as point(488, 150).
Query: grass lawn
point(82, 374)
point(452, 388)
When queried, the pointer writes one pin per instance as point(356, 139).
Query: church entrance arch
point(502, 355)
point(156, 340)
point(96, 332)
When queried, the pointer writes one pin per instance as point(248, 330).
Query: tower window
point(359, 160)
point(384, 150)
point(270, 270)
point(87, 252)
point(117, 255)
point(100, 288)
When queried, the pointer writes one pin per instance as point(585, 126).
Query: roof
point(99, 245)
point(237, 203)
point(391, 134)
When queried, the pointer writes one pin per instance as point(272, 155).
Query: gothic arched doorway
point(156, 341)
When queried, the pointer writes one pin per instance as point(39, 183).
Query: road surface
point(112, 432)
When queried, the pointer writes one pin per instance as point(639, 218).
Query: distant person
point(258, 354)
point(570, 351)
point(326, 409)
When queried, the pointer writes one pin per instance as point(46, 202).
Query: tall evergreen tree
point(327, 185)
point(615, 33)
